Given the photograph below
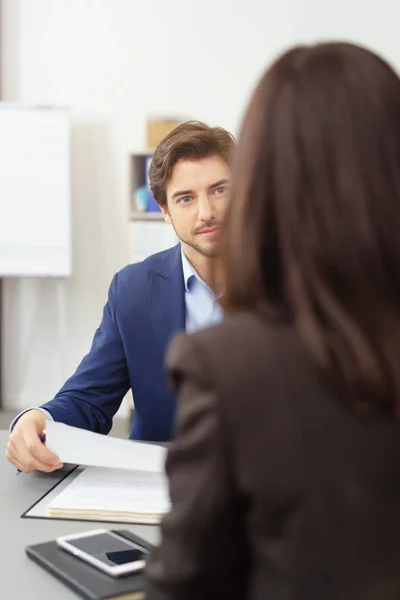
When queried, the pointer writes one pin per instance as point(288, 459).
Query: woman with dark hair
point(285, 472)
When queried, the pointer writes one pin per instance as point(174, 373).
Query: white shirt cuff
point(43, 410)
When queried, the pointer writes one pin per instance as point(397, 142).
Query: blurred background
point(127, 71)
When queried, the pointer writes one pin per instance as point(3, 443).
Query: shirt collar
point(188, 271)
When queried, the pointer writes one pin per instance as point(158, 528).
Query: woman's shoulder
point(242, 341)
point(247, 332)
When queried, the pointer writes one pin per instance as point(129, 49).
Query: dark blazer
point(145, 307)
point(278, 492)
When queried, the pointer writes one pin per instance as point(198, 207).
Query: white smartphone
point(106, 550)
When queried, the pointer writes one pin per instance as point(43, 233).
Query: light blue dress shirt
point(201, 304)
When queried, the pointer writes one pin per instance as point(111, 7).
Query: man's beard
point(211, 252)
point(207, 252)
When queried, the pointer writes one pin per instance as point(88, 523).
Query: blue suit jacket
point(145, 308)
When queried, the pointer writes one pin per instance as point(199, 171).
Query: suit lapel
point(167, 298)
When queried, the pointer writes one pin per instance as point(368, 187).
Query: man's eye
point(185, 200)
point(220, 190)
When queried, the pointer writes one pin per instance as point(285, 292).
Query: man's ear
point(165, 213)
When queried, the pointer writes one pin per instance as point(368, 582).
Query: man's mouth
point(208, 231)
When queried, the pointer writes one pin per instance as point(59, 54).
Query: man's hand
point(25, 449)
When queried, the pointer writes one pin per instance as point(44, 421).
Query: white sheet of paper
point(81, 447)
point(130, 494)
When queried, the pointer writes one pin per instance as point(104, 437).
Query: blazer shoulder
point(248, 333)
point(136, 272)
point(238, 344)
point(243, 357)
point(252, 368)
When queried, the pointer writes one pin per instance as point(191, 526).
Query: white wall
point(114, 62)
point(374, 24)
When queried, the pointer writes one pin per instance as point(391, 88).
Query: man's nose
point(206, 209)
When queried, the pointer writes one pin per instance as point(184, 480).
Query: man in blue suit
point(148, 303)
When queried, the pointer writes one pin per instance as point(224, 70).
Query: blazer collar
point(167, 298)
point(172, 260)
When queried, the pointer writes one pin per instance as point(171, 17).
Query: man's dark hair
point(192, 140)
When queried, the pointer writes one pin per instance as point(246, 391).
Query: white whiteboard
point(35, 198)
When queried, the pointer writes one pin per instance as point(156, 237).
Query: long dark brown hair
point(313, 229)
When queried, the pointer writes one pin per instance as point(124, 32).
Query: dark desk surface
point(20, 578)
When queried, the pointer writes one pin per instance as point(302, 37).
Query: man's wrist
point(17, 418)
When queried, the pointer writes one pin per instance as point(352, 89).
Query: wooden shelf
point(141, 153)
point(137, 215)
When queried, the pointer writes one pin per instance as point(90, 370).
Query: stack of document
point(124, 480)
